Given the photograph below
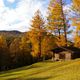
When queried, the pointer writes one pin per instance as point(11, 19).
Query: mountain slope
point(48, 70)
point(10, 33)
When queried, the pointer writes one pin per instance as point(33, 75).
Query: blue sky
point(17, 14)
point(68, 1)
point(12, 4)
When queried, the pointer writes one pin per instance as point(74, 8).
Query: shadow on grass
point(45, 78)
point(15, 70)
point(18, 69)
point(15, 79)
point(30, 67)
point(48, 61)
point(39, 71)
point(34, 73)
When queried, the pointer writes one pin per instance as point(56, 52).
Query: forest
point(19, 49)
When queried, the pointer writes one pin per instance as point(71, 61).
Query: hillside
point(10, 33)
point(48, 70)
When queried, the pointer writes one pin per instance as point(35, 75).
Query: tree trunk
point(65, 34)
point(39, 54)
point(59, 33)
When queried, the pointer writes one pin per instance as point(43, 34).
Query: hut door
point(62, 56)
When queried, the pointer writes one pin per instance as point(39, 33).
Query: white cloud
point(20, 17)
point(67, 9)
point(11, 1)
point(1, 4)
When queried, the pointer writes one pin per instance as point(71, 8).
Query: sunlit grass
point(48, 70)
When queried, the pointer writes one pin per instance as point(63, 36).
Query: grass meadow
point(47, 70)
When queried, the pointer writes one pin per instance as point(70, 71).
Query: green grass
point(48, 70)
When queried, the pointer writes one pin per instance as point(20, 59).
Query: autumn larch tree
point(76, 6)
point(57, 19)
point(76, 21)
point(36, 33)
point(15, 52)
point(25, 48)
point(4, 56)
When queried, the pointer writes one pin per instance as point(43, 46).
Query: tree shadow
point(15, 79)
point(16, 70)
point(44, 78)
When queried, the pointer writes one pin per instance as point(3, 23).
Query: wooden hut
point(66, 53)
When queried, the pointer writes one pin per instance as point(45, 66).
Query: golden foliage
point(48, 43)
point(76, 5)
point(76, 22)
point(14, 46)
point(25, 44)
point(3, 43)
point(77, 41)
point(61, 41)
point(36, 33)
point(55, 18)
point(77, 34)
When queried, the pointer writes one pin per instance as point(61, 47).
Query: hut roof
point(70, 49)
point(57, 50)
